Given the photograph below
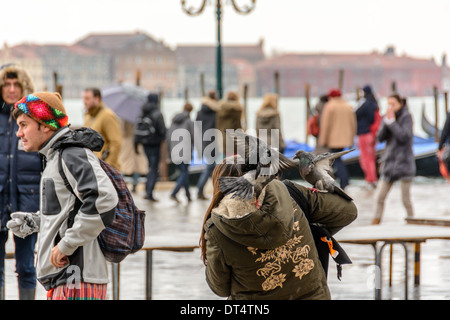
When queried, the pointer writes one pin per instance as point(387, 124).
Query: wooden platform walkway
point(378, 236)
point(443, 221)
point(381, 235)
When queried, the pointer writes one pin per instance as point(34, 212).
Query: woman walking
point(179, 144)
point(268, 118)
point(398, 161)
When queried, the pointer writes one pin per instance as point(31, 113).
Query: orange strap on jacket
point(333, 252)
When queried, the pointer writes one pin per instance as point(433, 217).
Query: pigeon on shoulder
point(263, 164)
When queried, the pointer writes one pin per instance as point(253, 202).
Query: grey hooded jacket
point(99, 199)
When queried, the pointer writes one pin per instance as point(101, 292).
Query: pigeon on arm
point(317, 170)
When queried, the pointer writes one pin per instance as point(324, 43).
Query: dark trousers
point(24, 255)
point(341, 169)
point(153, 155)
point(182, 180)
point(205, 176)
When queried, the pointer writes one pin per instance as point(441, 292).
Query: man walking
point(151, 113)
point(337, 130)
point(20, 173)
point(104, 121)
point(206, 116)
point(70, 263)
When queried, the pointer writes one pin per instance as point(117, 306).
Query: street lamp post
point(194, 12)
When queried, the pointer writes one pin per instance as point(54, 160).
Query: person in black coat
point(152, 147)
point(207, 117)
point(365, 115)
point(20, 175)
point(180, 152)
point(398, 162)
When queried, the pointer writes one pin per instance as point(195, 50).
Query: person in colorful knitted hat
point(70, 263)
point(46, 108)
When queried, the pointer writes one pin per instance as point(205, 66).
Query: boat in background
point(427, 127)
point(425, 153)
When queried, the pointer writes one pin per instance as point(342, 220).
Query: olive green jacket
point(269, 252)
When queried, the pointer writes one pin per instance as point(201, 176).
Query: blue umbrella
point(125, 99)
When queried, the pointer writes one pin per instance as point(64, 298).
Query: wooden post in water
point(202, 84)
point(186, 94)
point(277, 82)
point(436, 115)
point(446, 101)
point(163, 170)
point(341, 80)
point(307, 111)
point(58, 87)
point(393, 87)
point(245, 106)
point(138, 77)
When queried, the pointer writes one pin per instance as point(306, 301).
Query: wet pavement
point(180, 275)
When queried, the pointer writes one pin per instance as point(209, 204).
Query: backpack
point(126, 233)
point(325, 243)
point(144, 130)
point(313, 125)
point(376, 122)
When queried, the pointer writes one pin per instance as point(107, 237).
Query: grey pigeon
point(244, 187)
point(263, 164)
point(258, 155)
point(317, 170)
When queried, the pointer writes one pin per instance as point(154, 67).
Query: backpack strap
point(78, 202)
point(325, 243)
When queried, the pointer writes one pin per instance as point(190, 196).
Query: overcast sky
point(419, 28)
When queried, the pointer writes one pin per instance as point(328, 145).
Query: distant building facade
point(412, 76)
point(28, 59)
point(137, 57)
point(75, 67)
point(101, 59)
point(237, 67)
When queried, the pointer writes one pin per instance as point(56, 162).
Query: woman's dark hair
point(400, 99)
point(225, 168)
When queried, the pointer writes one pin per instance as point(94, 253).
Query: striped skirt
point(83, 291)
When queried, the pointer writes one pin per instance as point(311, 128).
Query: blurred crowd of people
point(138, 149)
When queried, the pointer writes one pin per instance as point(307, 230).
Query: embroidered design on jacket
point(289, 252)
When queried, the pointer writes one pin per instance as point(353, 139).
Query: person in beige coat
point(268, 117)
point(104, 121)
point(133, 162)
point(229, 116)
point(337, 130)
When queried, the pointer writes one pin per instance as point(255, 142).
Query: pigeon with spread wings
point(263, 163)
point(317, 170)
point(259, 155)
